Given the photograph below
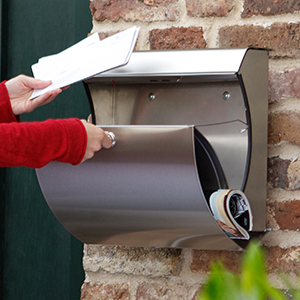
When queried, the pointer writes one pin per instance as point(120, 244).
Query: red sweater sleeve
point(6, 112)
point(35, 144)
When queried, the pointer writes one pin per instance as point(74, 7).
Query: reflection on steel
point(146, 187)
point(186, 123)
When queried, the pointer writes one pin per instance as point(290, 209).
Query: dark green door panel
point(39, 258)
point(38, 252)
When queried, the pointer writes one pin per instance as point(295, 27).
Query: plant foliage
point(250, 284)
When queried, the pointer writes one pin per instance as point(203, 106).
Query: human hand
point(20, 89)
point(96, 140)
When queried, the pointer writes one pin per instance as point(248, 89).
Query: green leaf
point(251, 284)
point(221, 284)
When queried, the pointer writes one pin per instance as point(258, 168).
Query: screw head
point(226, 95)
point(151, 97)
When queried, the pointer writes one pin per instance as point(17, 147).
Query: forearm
point(37, 143)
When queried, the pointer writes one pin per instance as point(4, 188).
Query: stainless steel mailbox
point(187, 123)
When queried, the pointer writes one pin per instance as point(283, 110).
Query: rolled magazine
point(232, 211)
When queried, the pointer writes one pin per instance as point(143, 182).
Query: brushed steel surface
point(243, 73)
point(254, 76)
point(174, 104)
point(222, 122)
point(230, 141)
point(144, 191)
point(178, 63)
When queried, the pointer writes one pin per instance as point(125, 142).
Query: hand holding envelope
point(85, 59)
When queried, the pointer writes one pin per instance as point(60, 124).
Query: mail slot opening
point(210, 171)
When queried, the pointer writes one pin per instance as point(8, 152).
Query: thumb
point(108, 140)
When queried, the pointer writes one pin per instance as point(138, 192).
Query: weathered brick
point(177, 38)
point(277, 259)
point(283, 260)
point(293, 174)
point(132, 260)
point(105, 292)
point(150, 291)
point(284, 126)
point(287, 214)
point(202, 260)
point(284, 84)
point(207, 8)
point(104, 35)
point(134, 10)
point(282, 38)
point(284, 173)
point(277, 172)
point(271, 221)
point(269, 7)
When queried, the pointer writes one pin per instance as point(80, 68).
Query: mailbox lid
point(181, 63)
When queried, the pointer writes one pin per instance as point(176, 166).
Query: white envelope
point(85, 59)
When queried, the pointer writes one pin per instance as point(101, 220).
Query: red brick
point(284, 84)
point(202, 260)
point(284, 173)
point(277, 260)
point(282, 38)
point(105, 292)
point(283, 260)
point(270, 214)
point(284, 126)
point(177, 38)
point(277, 172)
point(104, 35)
point(269, 7)
point(293, 174)
point(134, 10)
point(208, 8)
point(287, 214)
point(151, 291)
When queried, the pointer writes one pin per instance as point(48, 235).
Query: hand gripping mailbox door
point(187, 123)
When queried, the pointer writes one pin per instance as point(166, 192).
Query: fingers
point(45, 98)
point(41, 100)
point(96, 140)
point(34, 83)
point(65, 87)
point(37, 83)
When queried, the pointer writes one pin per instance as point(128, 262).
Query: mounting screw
point(151, 97)
point(226, 95)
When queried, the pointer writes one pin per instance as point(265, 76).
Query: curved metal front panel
point(145, 191)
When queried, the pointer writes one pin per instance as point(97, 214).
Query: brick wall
point(142, 273)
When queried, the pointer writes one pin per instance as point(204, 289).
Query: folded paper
point(85, 59)
point(232, 212)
